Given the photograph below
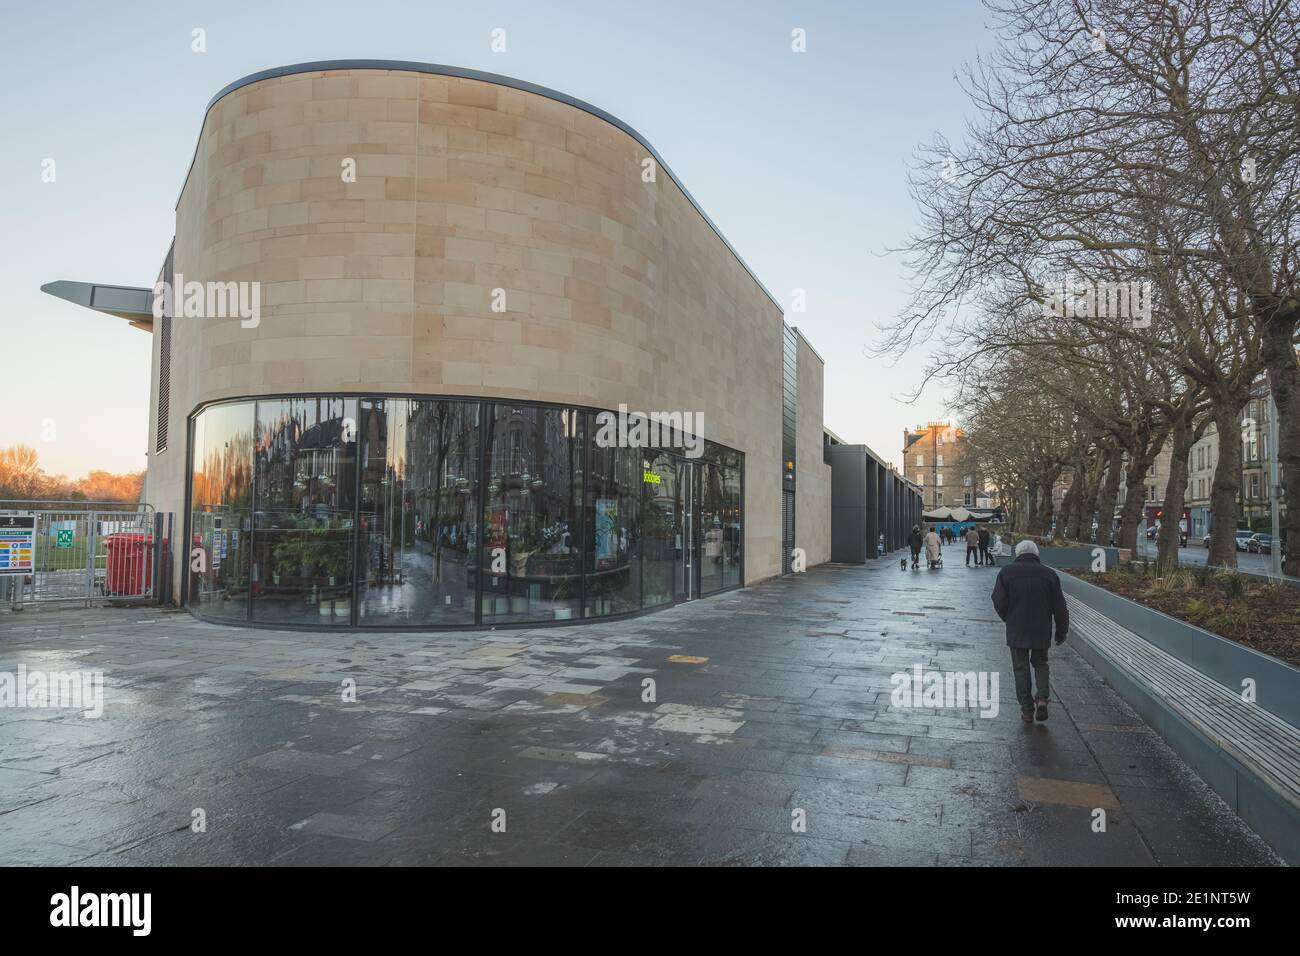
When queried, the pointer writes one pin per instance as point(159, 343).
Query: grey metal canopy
point(126, 302)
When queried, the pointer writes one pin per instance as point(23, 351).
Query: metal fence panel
point(88, 553)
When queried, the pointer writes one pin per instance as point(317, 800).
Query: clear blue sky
point(799, 158)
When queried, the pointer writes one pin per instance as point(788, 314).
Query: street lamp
point(1274, 485)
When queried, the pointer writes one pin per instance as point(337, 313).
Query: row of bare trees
point(22, 478)
point(1108, 258)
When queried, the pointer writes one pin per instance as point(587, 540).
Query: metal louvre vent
point(787, 530)
point(165, 358)
point(164, 381)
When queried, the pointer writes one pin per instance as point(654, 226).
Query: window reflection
point(419, 494)
point(613, 522)
point(221, 490)
point(531, 568)
point(414, 509)
point(306, 497)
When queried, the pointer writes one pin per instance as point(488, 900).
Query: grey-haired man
point(1028, 597)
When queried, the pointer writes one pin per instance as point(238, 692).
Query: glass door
point(686, 573)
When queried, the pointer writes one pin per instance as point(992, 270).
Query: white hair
point(1026, 547)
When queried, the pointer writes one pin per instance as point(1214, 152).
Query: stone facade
point(812, 474)
point(934, 458)
point(467, 194)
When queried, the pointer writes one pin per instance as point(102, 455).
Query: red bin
point(129, 569)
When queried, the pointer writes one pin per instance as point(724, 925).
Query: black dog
point(902, 564)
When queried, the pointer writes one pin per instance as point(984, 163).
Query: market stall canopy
point(938, 514)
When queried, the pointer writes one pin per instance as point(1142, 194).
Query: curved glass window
point(612, 520)
point(304, 511)
point(221, 504)
point(419, 495)
point(386, 511)
point(531, 561)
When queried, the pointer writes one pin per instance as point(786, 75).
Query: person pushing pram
point(933, 550)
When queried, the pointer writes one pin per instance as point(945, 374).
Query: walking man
point(985, 557)
point(973, 546)
point(1027, 596)
point(914, 541)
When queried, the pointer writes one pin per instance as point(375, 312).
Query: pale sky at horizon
point(800, 160)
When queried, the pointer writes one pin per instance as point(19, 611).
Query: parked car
point(1260, 543)
point(1242, 537)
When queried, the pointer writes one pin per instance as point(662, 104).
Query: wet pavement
point(767, 736)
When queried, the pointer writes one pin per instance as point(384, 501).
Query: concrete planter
point(1065, 556)
point(1271, 812)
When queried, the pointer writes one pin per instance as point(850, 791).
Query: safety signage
point(63, 538)
point(17, 544)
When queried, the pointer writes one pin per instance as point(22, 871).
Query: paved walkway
point(772, 706)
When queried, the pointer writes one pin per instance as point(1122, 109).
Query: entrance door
point(686, 573)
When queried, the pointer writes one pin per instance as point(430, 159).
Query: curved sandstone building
point(454, 275)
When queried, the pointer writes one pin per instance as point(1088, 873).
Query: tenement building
point(935, 458)
point(438, 348)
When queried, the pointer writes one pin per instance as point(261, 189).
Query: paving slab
point(774, 737)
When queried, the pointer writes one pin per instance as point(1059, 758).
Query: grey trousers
point(1021, 658)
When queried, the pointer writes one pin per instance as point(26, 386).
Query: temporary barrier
point(81, 552)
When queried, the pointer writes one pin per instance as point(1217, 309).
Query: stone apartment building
point(1256, 461)
point(935, 458)
point(1204, 458)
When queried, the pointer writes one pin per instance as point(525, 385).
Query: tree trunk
point(1109, 492)
point(1070, 502)
point(1083, 505)
point(1175, 495)
point(1279, 357)
point(1226, 485)
point(1140, 457)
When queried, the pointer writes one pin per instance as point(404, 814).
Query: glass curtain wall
point(661, 528)
point(221, 500)
point(612, 519)
point(531, 560)
point(419, 495)
point(305, 511)
point(414, 508)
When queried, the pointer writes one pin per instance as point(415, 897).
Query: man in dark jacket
point(985, 557)
point(1028, 597)
point(914, 541)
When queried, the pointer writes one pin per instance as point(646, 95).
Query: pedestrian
point(972, 546)
point(914, 541)
point(985, 557)
point(1028, 597)
point(933, 549)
